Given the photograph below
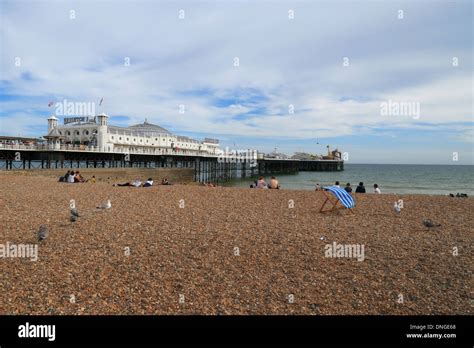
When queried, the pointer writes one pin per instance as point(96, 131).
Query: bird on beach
point(42, 233)
point(428, 223)
point(73, 218)
point(74, 212)
point(396, 208)
point(106, 205)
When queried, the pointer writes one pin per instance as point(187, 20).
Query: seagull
point(428, 223)
point(396, 208)
point(106, 205)
point(43, 233)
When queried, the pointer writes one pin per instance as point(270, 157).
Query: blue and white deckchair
point(341, 196)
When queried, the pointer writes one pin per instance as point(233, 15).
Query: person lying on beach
point(210, 184)
point(165, 181)
point(376, 189)
point(135, 183)
point(261, 183)
point(148, 183)
point(360, 188)
point(274, 184)
point(348, 188)
point(64, 177)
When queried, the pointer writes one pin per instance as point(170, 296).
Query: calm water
point(391, 178)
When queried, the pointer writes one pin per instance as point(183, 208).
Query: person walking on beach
point(360, 188)
point(337, 184)
point(348, 188)
point(376, 189)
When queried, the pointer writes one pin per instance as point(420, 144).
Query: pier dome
point(148, 128)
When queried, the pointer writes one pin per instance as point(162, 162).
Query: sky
point(383, 81)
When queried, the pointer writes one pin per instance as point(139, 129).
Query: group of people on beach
point(75, 177)
point(148, 183)
point(262, 184)
point(274, 184)
point(348, 188)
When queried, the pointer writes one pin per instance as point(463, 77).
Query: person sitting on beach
point(376, 189)
point(274, 184)
point(318, 187)
point(348, 188)
point(79, 178)
point(92, 180)
point(70, 178)
point(337, 184)
point(360, 188)
point(261, 183)
point(165, 181)
point(148, 183)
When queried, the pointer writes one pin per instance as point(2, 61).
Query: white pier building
point(94, 133)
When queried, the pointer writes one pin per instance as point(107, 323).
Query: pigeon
point(73, 218)
point(106, 205)
point(43, 233)
point(428, 223)
point(396, 208)
point(74, 212)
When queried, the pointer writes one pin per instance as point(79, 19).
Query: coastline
point(190, 252)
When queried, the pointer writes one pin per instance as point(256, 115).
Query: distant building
point(142, 138)
point(12, 140)
point(303, 156)
point(276, 155)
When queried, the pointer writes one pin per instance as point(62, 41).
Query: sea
point(391, 178)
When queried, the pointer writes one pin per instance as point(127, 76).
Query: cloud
point(282, 62)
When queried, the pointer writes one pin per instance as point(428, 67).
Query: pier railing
point(85, 148)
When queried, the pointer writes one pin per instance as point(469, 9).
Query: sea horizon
point(411, 180)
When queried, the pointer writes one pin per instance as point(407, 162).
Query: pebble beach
point(189, 249)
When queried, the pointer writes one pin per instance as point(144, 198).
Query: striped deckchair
point(341, 196)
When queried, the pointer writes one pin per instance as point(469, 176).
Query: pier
point(207, 167)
